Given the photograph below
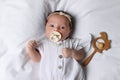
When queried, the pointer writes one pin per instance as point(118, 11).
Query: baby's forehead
point(56, 17)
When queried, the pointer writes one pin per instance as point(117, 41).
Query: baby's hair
point(65, 14)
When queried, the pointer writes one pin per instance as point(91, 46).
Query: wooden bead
point(100, 45)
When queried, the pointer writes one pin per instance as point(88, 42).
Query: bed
point(22, 20)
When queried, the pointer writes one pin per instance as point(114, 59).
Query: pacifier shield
point(55, 36)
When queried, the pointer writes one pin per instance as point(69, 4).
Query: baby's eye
point(51, 25)
point(62, 27)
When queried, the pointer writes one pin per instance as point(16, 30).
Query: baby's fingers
point(66, 53)
point(32, 43)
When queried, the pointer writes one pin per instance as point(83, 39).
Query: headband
point(61, 13)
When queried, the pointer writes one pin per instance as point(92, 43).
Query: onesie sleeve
point(84, 42)
point(40, 47)
point(76, 44)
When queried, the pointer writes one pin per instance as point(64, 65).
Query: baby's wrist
point(72, 53)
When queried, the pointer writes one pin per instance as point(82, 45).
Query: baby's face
point(60, 24)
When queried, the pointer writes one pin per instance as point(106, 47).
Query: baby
point(59, 55)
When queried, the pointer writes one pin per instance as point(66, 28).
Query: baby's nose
point(56, 28)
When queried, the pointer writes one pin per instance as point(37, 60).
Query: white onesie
point(54, 67)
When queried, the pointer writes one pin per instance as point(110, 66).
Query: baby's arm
point(76, 54)
point(32, 51)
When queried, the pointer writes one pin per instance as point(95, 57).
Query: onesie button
point(59, 67)
point(60, 44)
point(60, 56)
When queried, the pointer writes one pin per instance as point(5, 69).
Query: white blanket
point(21, 20)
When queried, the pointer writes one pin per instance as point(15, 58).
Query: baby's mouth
point(55, 36)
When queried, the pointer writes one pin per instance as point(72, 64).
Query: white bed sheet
point(21, 20)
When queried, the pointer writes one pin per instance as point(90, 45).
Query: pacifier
point(55, 36)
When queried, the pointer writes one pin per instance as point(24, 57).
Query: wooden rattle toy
point(98, 46)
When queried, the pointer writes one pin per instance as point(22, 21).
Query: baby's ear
point(71, 32)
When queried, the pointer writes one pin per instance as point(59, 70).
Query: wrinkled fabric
point(54, 67)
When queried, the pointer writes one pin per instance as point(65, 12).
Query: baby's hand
point(33, 53)
point(67, 52)
point(31, 45)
